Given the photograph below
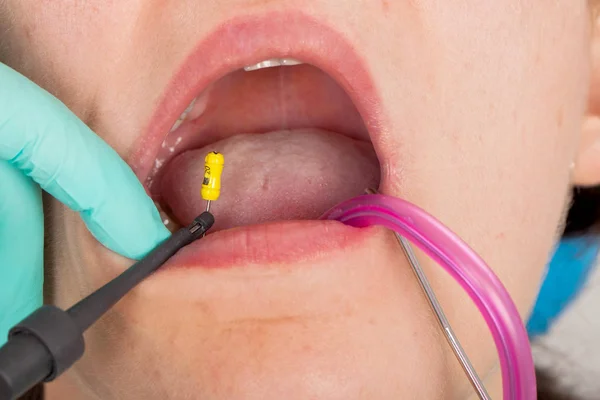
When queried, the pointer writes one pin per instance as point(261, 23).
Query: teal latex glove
point(43, 144)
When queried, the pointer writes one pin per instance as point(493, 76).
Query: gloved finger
point(46, 141)
point(21, 247)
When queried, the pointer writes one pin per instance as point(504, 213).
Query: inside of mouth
point(294, 146)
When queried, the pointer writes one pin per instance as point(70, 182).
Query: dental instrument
point(211, 185)
point(467, 268)
point(436, 307)
point(453, 341)
point(50, 340)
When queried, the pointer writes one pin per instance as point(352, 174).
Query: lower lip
point(272, 244)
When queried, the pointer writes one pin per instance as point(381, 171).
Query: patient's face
point(472, 110)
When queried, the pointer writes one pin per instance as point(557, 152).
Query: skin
point(486, 101)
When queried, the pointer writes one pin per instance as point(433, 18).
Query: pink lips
point(233, 45)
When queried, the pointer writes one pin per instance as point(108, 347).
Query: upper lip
point(247, 40)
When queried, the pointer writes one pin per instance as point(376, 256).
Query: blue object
point(566, 274)
point(44, 145)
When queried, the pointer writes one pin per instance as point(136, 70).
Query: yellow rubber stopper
point(213, 168)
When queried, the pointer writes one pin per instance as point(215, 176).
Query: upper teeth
point(273, 62)
point(183, 116)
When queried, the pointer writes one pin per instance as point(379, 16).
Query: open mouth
point(286, 111)
point(293, 142)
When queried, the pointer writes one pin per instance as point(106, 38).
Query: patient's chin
point(349, 357)
point(375, 350)
point(354, 326)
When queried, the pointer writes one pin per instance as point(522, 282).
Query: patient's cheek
point(62, 46)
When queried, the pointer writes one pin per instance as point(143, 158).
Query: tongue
point(272, 176)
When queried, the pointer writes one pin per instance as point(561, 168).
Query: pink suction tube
point(467, 268)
